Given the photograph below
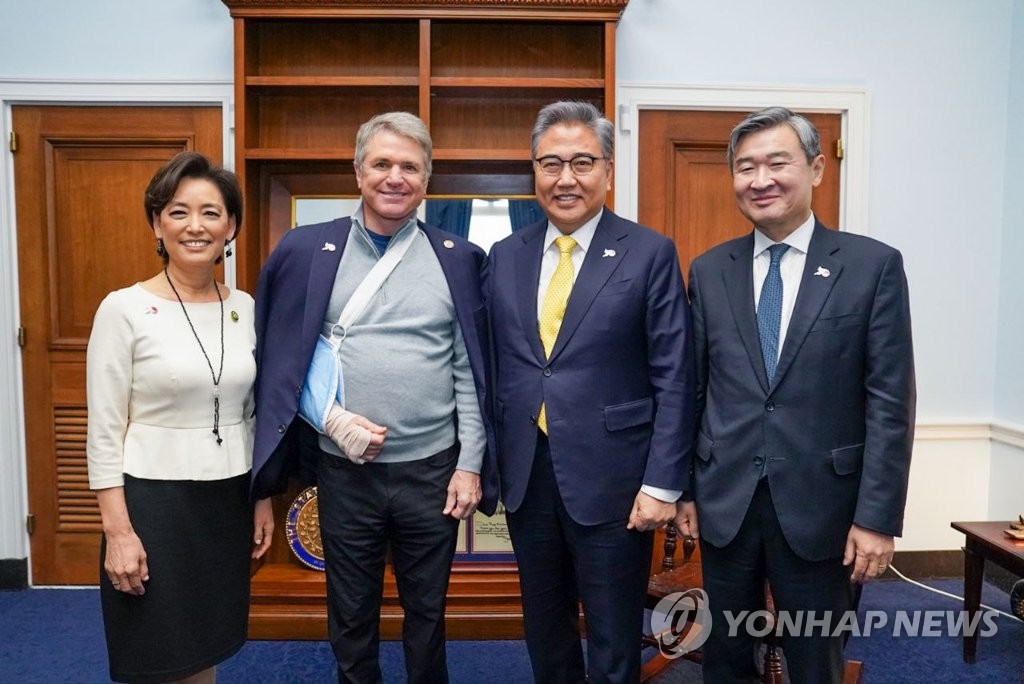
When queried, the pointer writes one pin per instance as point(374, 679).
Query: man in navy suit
point(414, 366)
point(594, 402)
point(805, 402)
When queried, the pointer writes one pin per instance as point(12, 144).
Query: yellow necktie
point(553, 308)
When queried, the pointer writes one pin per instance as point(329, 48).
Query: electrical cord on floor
point(946, 593)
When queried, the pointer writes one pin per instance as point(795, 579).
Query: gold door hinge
point(30, 524)
point(839, 149)
point(21, 336)
point(14, 141)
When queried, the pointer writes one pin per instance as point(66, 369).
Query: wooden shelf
point(347, 154)
point(289, 47)
point(481, 154)
point(517, 49)
point(331, 81)
point(308, 73)
point(506, 83)
point(299, 154)
point(288, 599)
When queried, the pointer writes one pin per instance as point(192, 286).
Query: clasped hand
point(649, 513)
point(358, 438)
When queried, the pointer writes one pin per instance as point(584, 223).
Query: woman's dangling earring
point(227, 249)
point(160, 251)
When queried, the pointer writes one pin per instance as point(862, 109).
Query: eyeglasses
point(580, 164)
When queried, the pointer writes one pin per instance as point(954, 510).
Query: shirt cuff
point(663, 495)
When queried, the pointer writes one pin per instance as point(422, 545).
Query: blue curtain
point(450, 215)
point(524, 212)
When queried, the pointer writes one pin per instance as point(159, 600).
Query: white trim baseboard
point(952, 432)
point(1008, 433)
point(997, 431)
point(13, 480)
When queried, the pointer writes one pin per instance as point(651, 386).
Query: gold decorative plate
point(302, 529)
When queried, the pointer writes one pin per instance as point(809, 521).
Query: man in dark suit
point(414, 366)
point(594, 402)
point(805, 401)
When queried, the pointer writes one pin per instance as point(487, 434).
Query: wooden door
point(80, 174)
point(685, 184)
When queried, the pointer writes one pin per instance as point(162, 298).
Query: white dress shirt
point(791, 268)
point(583, 235)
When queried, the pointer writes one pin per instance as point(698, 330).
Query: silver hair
point(400, 123)
point(771, 117)
point(569, 113)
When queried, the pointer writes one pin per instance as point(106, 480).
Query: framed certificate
point(485, 538)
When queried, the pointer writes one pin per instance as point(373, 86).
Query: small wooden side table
point(985, 541)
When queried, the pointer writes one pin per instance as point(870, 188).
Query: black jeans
point(364, 509)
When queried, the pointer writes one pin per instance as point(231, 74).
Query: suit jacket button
point(281, 429)
point(769, 406)
point(758, 461)
point(547, 372)
point(533, 420)
point(298, 391)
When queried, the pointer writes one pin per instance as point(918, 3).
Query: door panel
point(685, 185)
point(80, 174)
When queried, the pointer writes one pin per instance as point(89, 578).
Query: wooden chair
point(671, 577)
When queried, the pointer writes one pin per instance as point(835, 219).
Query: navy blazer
point(291, 301)
point(619, 385)
point(837, 427)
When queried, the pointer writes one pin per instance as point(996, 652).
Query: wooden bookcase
point(307, 74)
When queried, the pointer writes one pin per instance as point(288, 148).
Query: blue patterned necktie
point(769, 312)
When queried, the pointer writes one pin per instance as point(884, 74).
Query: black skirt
point(194, 614)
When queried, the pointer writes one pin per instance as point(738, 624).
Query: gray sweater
point(404, 362)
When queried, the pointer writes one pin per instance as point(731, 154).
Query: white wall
point(943, 172)
point(1007, 489)
point(181, 40)
point(1009, 382)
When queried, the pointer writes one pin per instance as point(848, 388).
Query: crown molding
point(602, 10)
point(428, 4)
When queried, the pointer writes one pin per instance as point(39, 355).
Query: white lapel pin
point(448, 244)
point(608, 253)
point(328, 247)
point(823, 272)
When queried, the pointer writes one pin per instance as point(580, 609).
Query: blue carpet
point(56, 635)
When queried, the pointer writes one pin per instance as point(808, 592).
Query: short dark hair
point(771, 117)
point(166, 180)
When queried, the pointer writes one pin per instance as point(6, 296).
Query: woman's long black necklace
point(216, 377)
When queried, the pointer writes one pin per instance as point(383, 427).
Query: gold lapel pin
point(449, 244)
point(234, 316)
